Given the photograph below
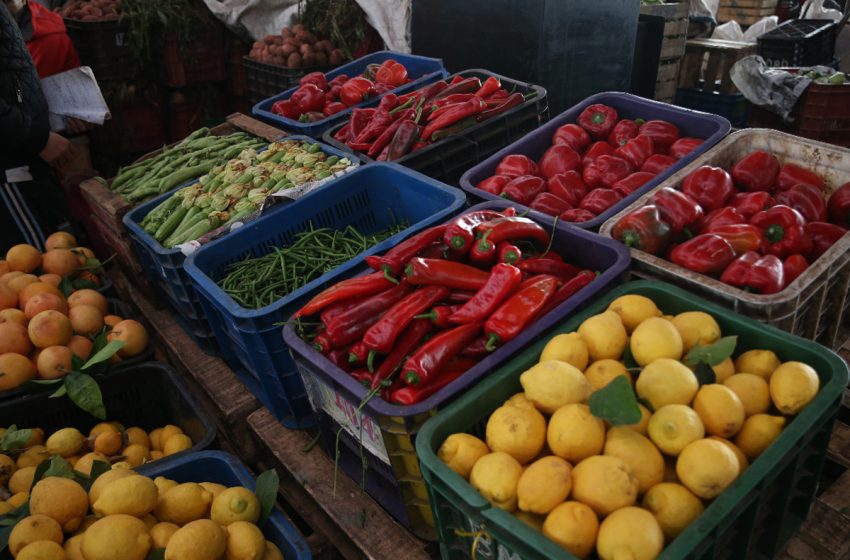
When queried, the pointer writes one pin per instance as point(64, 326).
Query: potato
point(294, 60)
point(288, 49)
point(286, 32)
point(336, 57)
point(306, 49)
point(309, 59)
point(321, 59)
point(279, 61)
point(298, 27)
point(269, 39)
point(292, 41)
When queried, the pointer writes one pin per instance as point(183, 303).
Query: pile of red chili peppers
point(756, 228)
point(406, 123)
point(440, 302)
point(317, 98)
point(591, 165)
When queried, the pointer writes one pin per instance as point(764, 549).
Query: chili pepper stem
point(551, 237)
point(492, 341)
point(352, 358)
point(411, 377)
point(386, 270)
point(370, 361)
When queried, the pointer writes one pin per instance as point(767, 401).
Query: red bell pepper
point(356, 90)
point(756, 172)
point(683, 146)
point(519, 310)
point(390, 102)
point(643, 229)
point(749, 203)
point(331, 311)
point(678, 210)
point(407, 396)
point(598, 120)
point(577, 215)
point(706, 253)
point(663, 134)
point(627, 185)
point(504, 280)
point(604, 171)
point(623, 131)
point(392, 73)
point(550, 204)
point(523, 189)
point(636, 151)
point(316, 78)
point(490, 86)
point(347, 289)
point(793, 267)
point(338, 80)
point(349, 327)
point(595, 150)
point(393, 262)
point(782, 228)
point(286, 108)
point(322, 344)
point(742, 237)
point(559, 159)
point(508, 253)
point(308, 97)
point(763, 273)
point(460, 232)
point(333, 108)
point(569, 288)
point(656, 163)
point(568, 186)
point(510, 228)
point(838, 207)
point(440, 272)
point(710, 186)
point(514, 165)
point(382, 335)
point(805, 199)
point(422, 367)
point(573, 136)
point(600, 200)
point(823, 236)
point(721, 217)
point(409, 340)
point(494, 184)
point(790, 175)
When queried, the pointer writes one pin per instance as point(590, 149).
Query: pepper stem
point(352, 358)
point(774, 233)
point(411, 377)
point(370, 361)
point(598, 118)
point(492, 341)
point(386, 270)
point(631, 239)
point(457, 242)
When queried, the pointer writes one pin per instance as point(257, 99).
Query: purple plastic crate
point(388, 430)
point(691, 123)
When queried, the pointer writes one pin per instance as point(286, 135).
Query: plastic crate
point(370, 199)
point(799, 42)
point(265, 80)
point(447, 159)
point(420, 69)
point(136, 127)
point(201, 59)
point(733, 107)
point(393, 478)
point(224, 468)
point(813, 306)
point(103, 45)
point(165, 266)
point(628, 106)
point(753, 518)
point(148, 395)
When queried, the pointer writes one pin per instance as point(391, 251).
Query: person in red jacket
point(46, 37)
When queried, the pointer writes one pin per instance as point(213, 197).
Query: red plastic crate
point(200, 60)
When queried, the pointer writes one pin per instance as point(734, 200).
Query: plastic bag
point(771, 88)
point(760, 27)
point(815, 9)
point(703, 10)
point(729, 31)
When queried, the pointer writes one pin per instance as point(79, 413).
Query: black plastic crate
point(734, 107)
point(102, 45)
point(267, 80)
point(799, 42)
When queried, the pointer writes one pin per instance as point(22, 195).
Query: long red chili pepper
point(394, 261)
point(351, 325)
point(433, 356)
point(459, 296)
point(454, 114)
point(381, 336)
point(563, 271)
point(509, 103)
point(490, 86)
point(407, 396)
point(445, 273)
point(483, 252)
point(347, 289)
point(357, 354)
point(476, 349)
point(384, 139)
point(509, 319)
point(464, 85)
point(440, 314)
point(330, 312)
point(362, 376)
point(507, 252)
point(404, 345)
point(339, 357)
point(322, 344)
point(504, 280)
point(459, 235)
point(569, 288)
point(503, 229)
point(386, 392)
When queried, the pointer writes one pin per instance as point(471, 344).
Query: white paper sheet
point(74, 93)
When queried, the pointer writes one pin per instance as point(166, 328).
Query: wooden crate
point(672, 46)
point(745, 12)
point(707, 62)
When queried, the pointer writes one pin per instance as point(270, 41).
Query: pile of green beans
point(257, 282)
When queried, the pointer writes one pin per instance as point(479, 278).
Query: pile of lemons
point(108, 442)
point(126, 515)
point(625, 490)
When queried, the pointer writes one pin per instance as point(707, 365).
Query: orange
point(8, 297)
point(54, 362)
point(23, 257)
point(84, 254)
point(111, 320)
point(88, 297)
point(133, 334)
point(13, 338)
point(4, 267)
point(81, 346)
point(43, 302)
point(28, 291)
point(86, 320)
point(52, 279)
point(18, 282)
point(50, 328)
point(14, 370)
point(60, 240)
point(13, 315)
point(60, 261)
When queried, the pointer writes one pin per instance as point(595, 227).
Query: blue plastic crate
point(691, 123)
point(370, 198)
point(223, 468)
point(165, 266)
point(420, 69)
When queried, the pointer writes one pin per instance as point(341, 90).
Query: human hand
point(76, 126)
point(57, 151)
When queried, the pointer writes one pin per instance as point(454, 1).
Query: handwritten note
point(74, 93)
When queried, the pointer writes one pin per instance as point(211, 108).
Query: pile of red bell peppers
point(406, 123)
point(439, 302)
point(317, 98)
point(757, 228)
point(592, 164)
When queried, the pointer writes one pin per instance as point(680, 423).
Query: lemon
point(743, 463)
point(138, 436)
point(105, 479)
point(117, 536)
point(88, 521)
point(184, 503)
point(65, 442)
point(213, 488)
point(134, 495)
point(602, 372)
point(673, 427)
point(21, 480)
point(569, 348)
point(17, 500)
point(104, 427)
point(758, 362)
point(62, 499)
point(42, 550)
point(696, 327)
point(655, 338)
point(156, 455)
point(544, 484)
point(707, 467)
point(666, 381)
point(74, 548)
point(108, 443)
point(793, 385)
point(5, 507)
point(630, 533)
point(166, 433)
point(574, 433)
point(604, 483)
point(604, 335)
point(136, 455)
point(122, 466)
point(520, 432)
point(85, 463)
point(176, 444)
point(757, 433)
point(633, 309)
point(7, 468)
point(199, 540)
point(519, 400)
point(573, 526)
point(720, 410)
point(674, 507)
point(272, 552)
point(34, 528)
point(161, 533)
point(237, 503)
point(149, 520)
point(156, 443)
point(460, 451)
point(552, 384)
point(752, 390)
point(642, 426)
point(495, 476)
point(32, 457)
point(244, 542)
point(639, 453)
point(531, 519)
point(163, 484)
point(723, 370)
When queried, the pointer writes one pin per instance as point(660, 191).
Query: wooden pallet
point(672, 46)
point(707, 62)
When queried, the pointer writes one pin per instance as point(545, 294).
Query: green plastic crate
point(754, 518)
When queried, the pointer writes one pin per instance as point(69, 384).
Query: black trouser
point(31, 210)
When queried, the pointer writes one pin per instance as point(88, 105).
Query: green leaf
point(97, 469)
point(39, 471)
point(85, 393)
point(83, 284)
point(629, 359)
point(66, 286)
point(712, 354)
point(76, 362)
point(267, 488)
point(705, 374)
point(615, 403)
point(57, 466)
point(156, 554)
point(15, 438)
point(4, 536)
point(60, 392)
point(104, 353)
point(97, 344)
point(647, 404)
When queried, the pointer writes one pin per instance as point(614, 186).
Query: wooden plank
point(839, 445)
point(672, 49)
point(669, 11)
point(666, 91)
point(255, 127)
point(356, 525)
point(771, 4)
point(103, 203)
point(667, 72)
point(676, 29)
